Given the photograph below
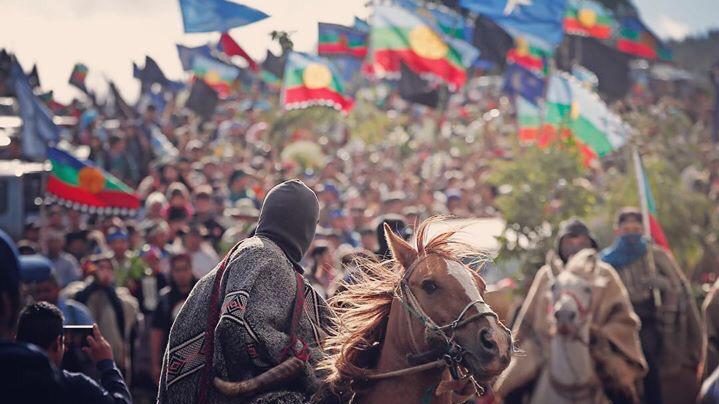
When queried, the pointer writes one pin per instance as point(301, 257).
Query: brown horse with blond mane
point(415, 329)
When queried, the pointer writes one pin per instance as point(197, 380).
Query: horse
point(415, 329)
point(570, 376)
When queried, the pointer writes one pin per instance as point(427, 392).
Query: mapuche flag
point(589, 18)
point(310, 81)
point(78, 76)
point(649, 205)
point(401, 35)
point(218, 75)
point(82, 186)
point(636, 39)
point(574, 110)
point(337, 39)
point(530, 53)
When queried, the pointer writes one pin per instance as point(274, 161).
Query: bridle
point(581, 390)
point(452, 353)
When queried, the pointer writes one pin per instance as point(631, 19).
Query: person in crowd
point(66, 266)
point(671, 332)
point(261, 281)
point(244, 215)
point(157, 235)
point(340, 223)
point(206, 214)
point(39, 280)
point(155, 206)
point(398, 225)
point(204, 257)
point(122, 258)
point(26, 373)
point(118, 161)
point(114, 309)
point(322, 273)
point(616, 349)
point(41, 324)
point(240, 186)
point(368, 238)
point(182, 279)
point(150, 278)
point(76, 244)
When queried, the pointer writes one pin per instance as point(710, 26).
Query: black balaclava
point(573, 227)
point(289, 218)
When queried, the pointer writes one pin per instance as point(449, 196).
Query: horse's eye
point(588, 290)
point(429, 286)
point(553, 287)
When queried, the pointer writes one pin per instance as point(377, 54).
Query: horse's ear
point(402, 251)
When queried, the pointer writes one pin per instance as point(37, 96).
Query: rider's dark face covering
point(289, 218)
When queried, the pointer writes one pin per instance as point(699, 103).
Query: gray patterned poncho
point(257, 296)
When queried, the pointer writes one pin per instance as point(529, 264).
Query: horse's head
point(443, 301)
point(572, 294)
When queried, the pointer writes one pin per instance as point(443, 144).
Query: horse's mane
point(363, 308)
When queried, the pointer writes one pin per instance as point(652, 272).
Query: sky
point(108, 35)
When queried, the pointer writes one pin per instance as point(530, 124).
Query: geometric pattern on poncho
point(186, 359)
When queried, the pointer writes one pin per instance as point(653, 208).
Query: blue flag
point(187, 54)
point(538, 18)
point(519, 81)
point(217, 15)
point(38, 129)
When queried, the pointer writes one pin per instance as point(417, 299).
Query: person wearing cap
point(114, 309)
point(66, 266)
point(39, 280)
point(244, 215)
point(615, 347)
point(671, 334)
point(244, 309)
point(122, 258)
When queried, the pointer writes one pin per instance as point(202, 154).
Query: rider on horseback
point(252, 319)
point(614, 335)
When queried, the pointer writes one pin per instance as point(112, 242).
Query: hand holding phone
point(97, 348)
point(76, 335)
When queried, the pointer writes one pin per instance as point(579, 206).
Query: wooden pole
point(644, 204)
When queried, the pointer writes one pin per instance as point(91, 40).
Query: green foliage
point(682, 213)
point(368, 122)
point(547, 187)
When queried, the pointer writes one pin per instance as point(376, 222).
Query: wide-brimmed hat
point(244, 208)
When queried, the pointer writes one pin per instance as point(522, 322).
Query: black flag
point(33, 78)
point(275, 64)
point(203, 99)
point(414, 88)
point(122, 108)
point(492, 41)
point(610, 66)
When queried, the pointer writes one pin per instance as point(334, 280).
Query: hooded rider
point(615, 346)
point(236, 323)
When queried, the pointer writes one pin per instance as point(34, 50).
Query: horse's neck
point(412, 388)
point(570, 361)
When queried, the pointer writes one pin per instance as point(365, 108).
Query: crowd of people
point(204, 193)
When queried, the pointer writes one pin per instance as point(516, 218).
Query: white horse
point(570, 376)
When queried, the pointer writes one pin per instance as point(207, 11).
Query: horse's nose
point(565, 316)
point(487, 343)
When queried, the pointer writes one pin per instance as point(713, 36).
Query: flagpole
point(644, 204)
